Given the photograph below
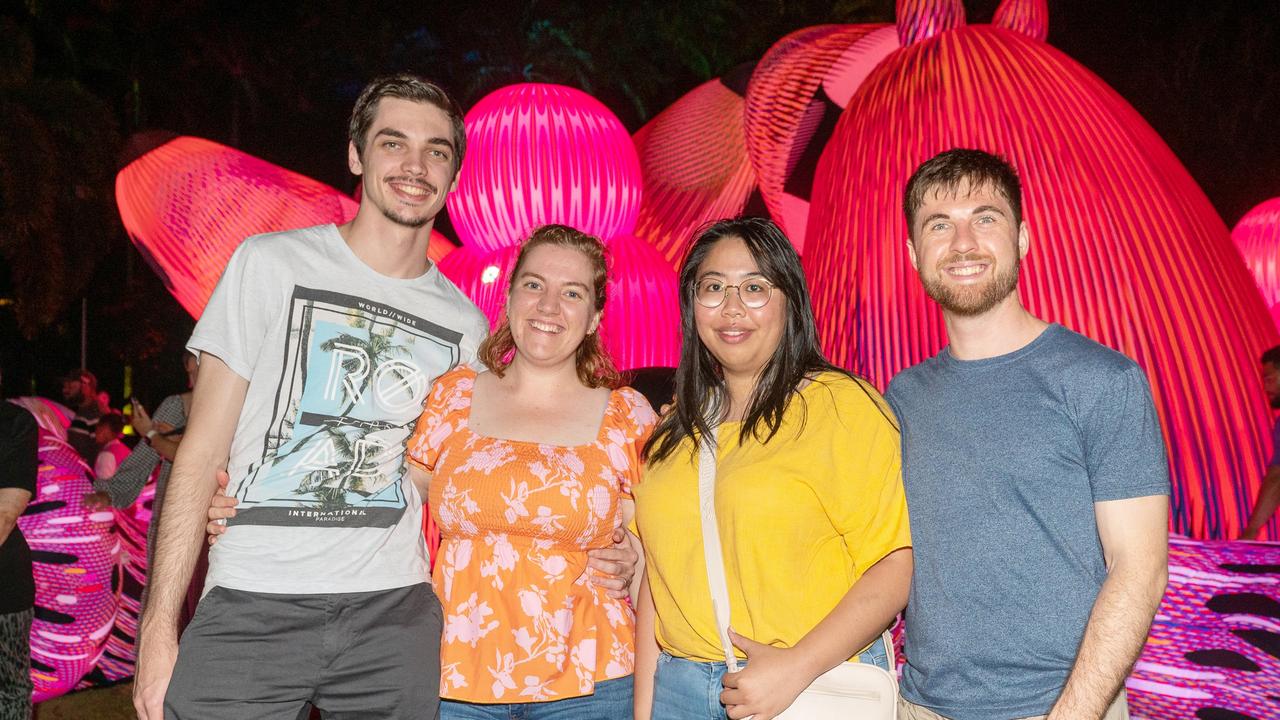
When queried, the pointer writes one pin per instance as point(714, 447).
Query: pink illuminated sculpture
point(539, 154)
point(190, 202)
point(75, 560)
point(1125, 248)
point(1257, 236)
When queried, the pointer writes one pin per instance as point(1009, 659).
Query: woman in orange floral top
point(532, 465)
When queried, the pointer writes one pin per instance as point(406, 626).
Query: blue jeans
point(690, 690)
point(611, 700)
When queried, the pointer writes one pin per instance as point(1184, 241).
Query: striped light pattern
point(641, 324)
point(189, 203)
point(75, 554)
point(796, 93)
point(1210, 652)
point(1125, 247)
point(539, 154)
point(694, 160)
point(1257, 236)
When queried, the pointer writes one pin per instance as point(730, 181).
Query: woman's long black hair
point(700, 386)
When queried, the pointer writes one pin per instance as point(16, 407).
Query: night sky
point(277, 80)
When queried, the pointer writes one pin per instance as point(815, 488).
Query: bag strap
point(711, 549)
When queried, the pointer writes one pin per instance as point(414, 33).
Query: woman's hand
point(221, 507)
point(771, 681)
point(614, 566)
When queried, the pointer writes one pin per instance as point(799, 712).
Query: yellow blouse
point(801, 518)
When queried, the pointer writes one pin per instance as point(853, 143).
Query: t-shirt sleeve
point(637, 421)
point(1124, 449)
point(433, 425)
point(235, 322)
point(18, 448)
point(105, 465)
point(864, 496)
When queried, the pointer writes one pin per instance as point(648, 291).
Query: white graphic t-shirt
point(339, 360)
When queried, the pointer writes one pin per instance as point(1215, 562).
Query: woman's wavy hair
point(595, 366)
point(700, 386)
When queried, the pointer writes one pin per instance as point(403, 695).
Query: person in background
point(1269, 492)
point(112, 450)
point(19, 437)
point(80, 393)
point(808, 495)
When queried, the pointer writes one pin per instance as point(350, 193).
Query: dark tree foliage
point(79, 80)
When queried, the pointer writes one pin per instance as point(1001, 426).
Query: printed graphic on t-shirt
point(354, 378)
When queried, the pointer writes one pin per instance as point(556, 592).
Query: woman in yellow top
point(809, 498)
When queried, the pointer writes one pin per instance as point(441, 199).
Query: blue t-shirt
point(1003, 459)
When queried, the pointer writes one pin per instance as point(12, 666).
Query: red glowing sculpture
point(539, 154)
point(190, 202)
point(1257, 236)
point(1125, 247)
point(693, 157)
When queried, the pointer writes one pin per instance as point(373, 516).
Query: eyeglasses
point(754, 293)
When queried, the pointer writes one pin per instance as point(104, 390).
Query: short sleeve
point(1124, 448)
point(447, 397)
point(635, 422)
point(105, 465)
point(234, 324)
point(864, 496)
point(18, 448)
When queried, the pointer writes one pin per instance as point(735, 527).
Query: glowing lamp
point(1125, 247)
point(539, 154)
point(1257, 236)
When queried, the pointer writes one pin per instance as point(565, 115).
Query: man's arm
point(1265, 507)
point(12, 502)
point(1135, 544)
point(215, 407)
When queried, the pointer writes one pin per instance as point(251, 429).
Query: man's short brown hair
point(406, 87)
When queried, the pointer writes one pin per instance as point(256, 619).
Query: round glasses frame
point(720, 297)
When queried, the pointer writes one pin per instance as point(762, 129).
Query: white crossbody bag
point(850, 690)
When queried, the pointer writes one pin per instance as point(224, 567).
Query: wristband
point(150, 434)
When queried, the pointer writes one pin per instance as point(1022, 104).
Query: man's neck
point(388, 248)
point(1001, 330)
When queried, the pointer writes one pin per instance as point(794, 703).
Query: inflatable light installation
point(1125, 247)
point(189, 203)
point(539, 154)
point(1257, 236)
point(75, 554)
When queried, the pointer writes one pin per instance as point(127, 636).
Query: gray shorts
point(260, 656)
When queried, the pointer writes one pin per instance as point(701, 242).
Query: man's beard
point(409, 222)
point(972, 301)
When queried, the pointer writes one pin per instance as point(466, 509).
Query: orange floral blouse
point(521, 621)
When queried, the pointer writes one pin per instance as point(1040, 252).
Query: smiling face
point(551, 305)
point(967, 248)
point(408, 162)
point(741, 339)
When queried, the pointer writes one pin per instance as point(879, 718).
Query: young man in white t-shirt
point(316, 350)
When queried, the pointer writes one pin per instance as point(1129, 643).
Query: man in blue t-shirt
point(1269, 492)
point(1035, 474)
